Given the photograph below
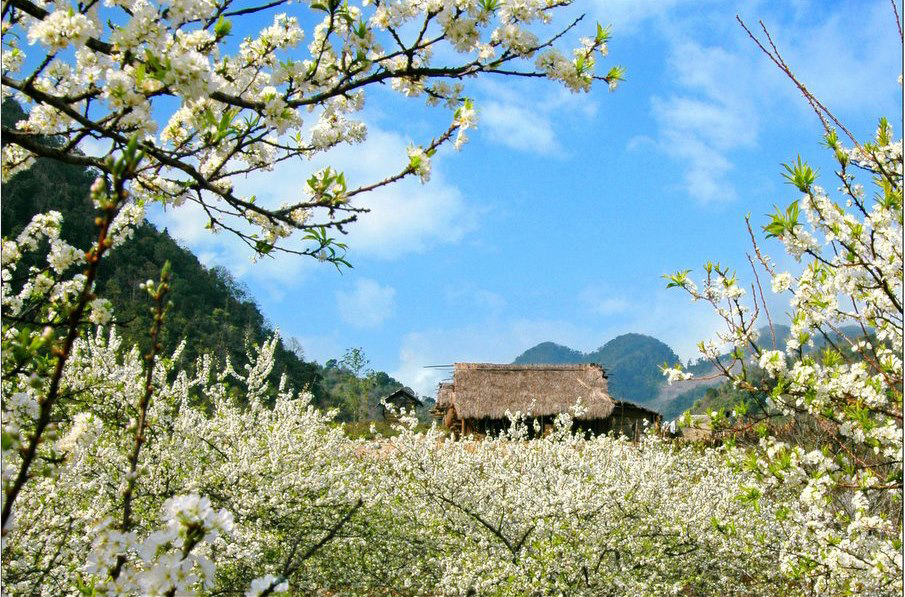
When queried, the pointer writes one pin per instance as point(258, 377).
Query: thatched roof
point(484, 391)
point(444, 395)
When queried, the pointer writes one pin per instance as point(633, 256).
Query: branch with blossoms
point(158, 293)
point(242, 112)
point(37, 351)
point(834, 449)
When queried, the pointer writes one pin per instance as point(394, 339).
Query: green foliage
point(783, 223)
point(800, 175)
point(678, 279)
point(354, 390)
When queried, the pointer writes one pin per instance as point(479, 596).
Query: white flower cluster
point(165, 562)
point(420, 162)
point(676, 374)
point(268, 581)
point(63, 27)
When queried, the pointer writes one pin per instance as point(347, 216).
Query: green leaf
point(800, 174)
point(222, 28)
point(603, 33)
point(617, 73)
point(677, 279)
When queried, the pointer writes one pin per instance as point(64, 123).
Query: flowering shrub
point(841, 484)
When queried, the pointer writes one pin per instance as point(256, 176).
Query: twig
point(822, 112)
point(763, 300)
point(895, 10)
point(159, 293)
point(63, 353)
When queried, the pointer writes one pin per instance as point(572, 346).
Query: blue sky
point(559, 217)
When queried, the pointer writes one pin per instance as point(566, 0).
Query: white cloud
point(472, 296)
point(518, 127)
point(94, 147)
point(711, 115)
point(527, 118)
point(405, 217)
point(719, 124)
point(599, 301)
point(627, 16)
point(367, 305)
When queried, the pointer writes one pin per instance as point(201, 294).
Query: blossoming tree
point(116, 480)
point(840, 479)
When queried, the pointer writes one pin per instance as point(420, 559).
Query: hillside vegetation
point(211, 310)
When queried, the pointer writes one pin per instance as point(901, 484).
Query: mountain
point(550, 353)
point(631, 361)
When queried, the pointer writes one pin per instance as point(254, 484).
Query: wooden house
point(403, 398)
point(481, 394)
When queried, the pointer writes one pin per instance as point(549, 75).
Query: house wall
point(624, 421)
point(630, 421)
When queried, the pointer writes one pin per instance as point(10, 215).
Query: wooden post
point(463, 428)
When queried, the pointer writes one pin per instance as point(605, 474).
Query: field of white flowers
point(257, 499)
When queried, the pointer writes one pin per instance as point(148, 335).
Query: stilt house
point(478, 398)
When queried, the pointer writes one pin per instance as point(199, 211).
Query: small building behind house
point(403, 398)
point(480, 395)
point(631, 419)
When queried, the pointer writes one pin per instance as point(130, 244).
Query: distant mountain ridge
point(631, 361)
